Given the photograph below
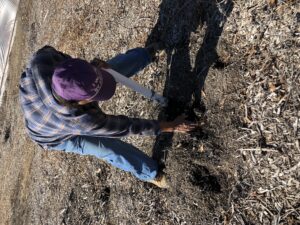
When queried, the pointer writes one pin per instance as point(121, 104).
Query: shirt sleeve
point(101, 124)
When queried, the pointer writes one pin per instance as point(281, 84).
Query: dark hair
point(64, 102)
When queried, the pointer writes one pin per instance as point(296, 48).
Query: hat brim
point(107, 89)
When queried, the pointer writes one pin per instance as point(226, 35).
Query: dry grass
point(268, 39)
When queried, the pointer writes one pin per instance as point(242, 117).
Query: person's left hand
point(180, 125)
point(100, 63)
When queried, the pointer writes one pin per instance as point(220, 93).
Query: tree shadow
point(177, 20)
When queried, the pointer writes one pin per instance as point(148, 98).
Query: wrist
point(166, 127)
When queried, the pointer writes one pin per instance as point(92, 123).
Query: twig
point(293, 168)
point(263, 204)
point(258, 149)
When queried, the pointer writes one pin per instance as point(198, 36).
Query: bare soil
point(232, 66)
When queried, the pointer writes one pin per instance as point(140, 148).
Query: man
point(59, 96)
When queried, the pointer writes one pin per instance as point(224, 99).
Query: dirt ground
point(231, 65)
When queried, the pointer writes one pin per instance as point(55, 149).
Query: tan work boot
point(160, 181)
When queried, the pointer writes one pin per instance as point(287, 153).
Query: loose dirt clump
point(231, 66)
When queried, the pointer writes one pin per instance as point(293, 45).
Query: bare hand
point(180, 125)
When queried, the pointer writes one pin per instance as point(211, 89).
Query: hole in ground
point(220, 64)
point(6, 134)
point(105, 194)
point(202, 178)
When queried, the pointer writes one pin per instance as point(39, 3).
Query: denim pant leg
point(115, 152)
point(131, 62)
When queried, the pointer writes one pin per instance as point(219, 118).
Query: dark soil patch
point(6, 134)
point(207, 182)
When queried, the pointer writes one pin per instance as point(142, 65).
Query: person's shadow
point(177, 20)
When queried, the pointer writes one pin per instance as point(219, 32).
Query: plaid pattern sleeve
point(49, 123)
point(97, 123)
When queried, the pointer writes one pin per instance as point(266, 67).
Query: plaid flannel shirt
point(50, 123)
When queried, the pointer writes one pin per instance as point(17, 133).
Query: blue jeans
point(114, 151)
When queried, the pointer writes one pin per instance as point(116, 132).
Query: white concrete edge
point(6, 67)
